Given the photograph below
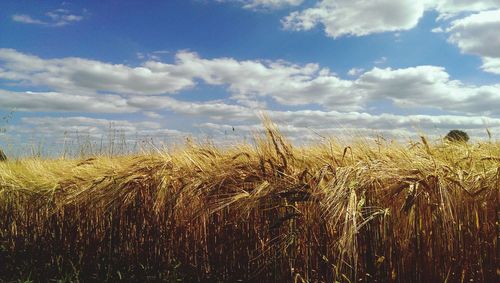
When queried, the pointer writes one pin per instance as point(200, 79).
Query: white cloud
point(437, 30)
point(248, 81)
point(478, 34)
point(361, 17)
point(357, 17)
point(55, 18)
point(98, 126)
point(213, 109)
point(95, 86)
point(26, 19)
point(325, 119)
point(306, 124)
point(429, 86)
point(61, 102)
point(382, 86)
point(287, 83)
point(82, 75)
point(450, 8)
point(152, 115)
point(355, 71)
point(75, 133)
point(380, 61)
point(265, 4)
point(152, 56)
point(491, 65)
point(300, 126)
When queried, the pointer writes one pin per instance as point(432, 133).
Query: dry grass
point(381, 212)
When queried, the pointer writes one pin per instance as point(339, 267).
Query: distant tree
point(457, 136)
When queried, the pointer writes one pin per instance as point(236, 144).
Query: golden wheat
point(381, 212)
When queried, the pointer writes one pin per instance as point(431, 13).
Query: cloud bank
point(322, 101)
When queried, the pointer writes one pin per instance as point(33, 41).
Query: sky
point(166, 70)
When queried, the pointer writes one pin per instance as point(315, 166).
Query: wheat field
point(271, 212)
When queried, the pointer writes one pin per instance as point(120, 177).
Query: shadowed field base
point(269, 212)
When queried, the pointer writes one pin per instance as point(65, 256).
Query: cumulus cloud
point(429, 86)
point(341, 104)
point(55, 18)
point(474, 34)
point(287, 83)
point(83, 75)
point(360, 17)
point(96, 86)
point(478, 34)
point(416, 87)
point(357, 17)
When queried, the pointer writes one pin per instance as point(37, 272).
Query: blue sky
point(200, 67)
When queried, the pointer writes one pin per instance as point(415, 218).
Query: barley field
point(373, 211)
